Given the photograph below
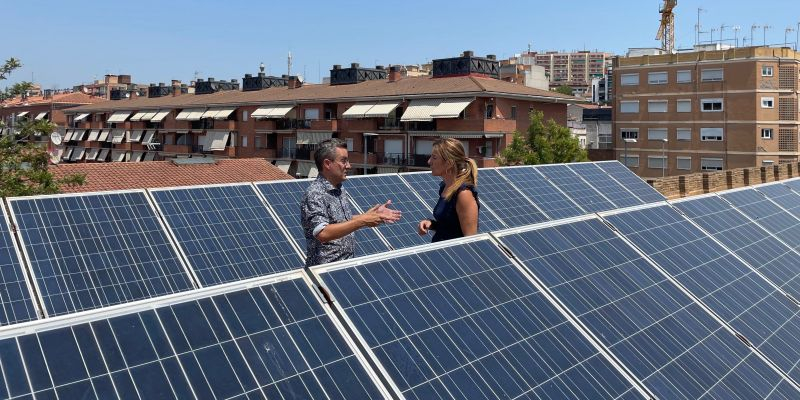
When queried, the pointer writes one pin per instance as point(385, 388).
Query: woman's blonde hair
point(452, 153)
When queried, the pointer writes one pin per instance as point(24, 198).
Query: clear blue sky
point(63, 43)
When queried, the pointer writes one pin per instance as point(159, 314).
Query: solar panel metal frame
point(543, 167)
point(768, 199)
point(29, 269)
point(20, 265)
point(600, 163)
point(546, 179)
point(118, 310)
point(572, 166)
point(694, 297)
point(318, 271)
point(793, 186)
point(177, 243)
point(521, 194)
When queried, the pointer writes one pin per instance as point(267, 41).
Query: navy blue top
point(445, 217)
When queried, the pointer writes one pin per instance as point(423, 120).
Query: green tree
point(28, 128)
point(10, 65)
point(564, 89)
point(545, 143)
point(24, 170)
point(16, 89)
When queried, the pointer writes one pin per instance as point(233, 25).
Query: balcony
point(389, 124)
point(286, 124)
point(421, 126)
point(398, 159)
point(304, 153)
point(287, 152)
point(496, 125)
point(324, 124)
point(419, 160)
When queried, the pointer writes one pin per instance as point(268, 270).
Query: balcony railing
point(421, 126)
point(286, 124)
point(389, 124)
point(303, 153)
point(420, 160)
point(288, 152)
point(392, 159)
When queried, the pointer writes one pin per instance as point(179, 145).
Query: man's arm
point(373, 217)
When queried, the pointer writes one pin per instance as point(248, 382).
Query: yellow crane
point(666, 32)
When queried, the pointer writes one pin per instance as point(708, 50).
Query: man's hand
point(387, 214)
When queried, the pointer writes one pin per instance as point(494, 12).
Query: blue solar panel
point(226, 232)
point(766, 213)
point(272, 341)
point(542, 192)
point(783, 195)
point(427, 186)
point(747, 239)
point(284, 199)
point(16, 302)
point(576, 188)
point(510, 205)
point(666, 339)
point(615, 192)
point(370, 190)
point(729, 287)
point(635, 184)
point(463, 322)
point(91, 251)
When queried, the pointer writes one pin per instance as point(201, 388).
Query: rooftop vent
point(212, 86)
point(467, 64)
point(356, 74)
point(261, 81)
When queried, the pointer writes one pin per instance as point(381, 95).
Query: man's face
point(337, 168)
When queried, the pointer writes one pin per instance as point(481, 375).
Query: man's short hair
point(327, 151)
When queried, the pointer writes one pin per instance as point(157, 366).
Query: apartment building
point(706, 110)
point(49, 105)
point(388, 121)
point(575, 69)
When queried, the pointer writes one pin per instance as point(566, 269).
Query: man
point(325, 214)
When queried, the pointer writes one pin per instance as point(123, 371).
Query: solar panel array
point(200, 292)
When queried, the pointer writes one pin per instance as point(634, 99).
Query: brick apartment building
point(50, 105)
point(706, 110)
point(282, 119)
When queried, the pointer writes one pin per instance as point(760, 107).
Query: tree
point(564, 89)
point(16, 89)
point(29, 128)
point(25, 173)
point(10, 65)
point(545, 143)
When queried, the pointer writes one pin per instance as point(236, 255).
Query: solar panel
point(767, 214)
point(730, 288)
point(427, 186)
point(462, 321)
point(16, 300)
point(369, 190)
point(615, 192)
point(666, 339)
point(510, 205)
point(627, 178)
point(542, 192)
point(95, 250)
point(783, 195)
point(226, 232)
point(284, 198)
point(270, 341)
point(770, 256)
point(576, 188)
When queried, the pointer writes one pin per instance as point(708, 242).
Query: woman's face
point(437, 164)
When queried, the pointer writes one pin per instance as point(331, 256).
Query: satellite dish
point(56, 138)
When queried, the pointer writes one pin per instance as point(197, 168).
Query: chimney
point(176, 87)
point(294, 83)
point(491, 57)
point(468, 53)
point(394, 73)
point(354, 65)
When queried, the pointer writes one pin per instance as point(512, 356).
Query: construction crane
point(666, 32)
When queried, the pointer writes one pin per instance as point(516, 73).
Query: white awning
point(93, 135)
point(22, 114)
point(261, 112)
point(77, 154)
point(68, 135)
point(210, 113)
point(149, 156)
point(117, 135)
point(381, 110)
point(91, 153)
point(136, 156)
point(272, 111)
point(420, 110)
point(103, 135)
point(191, 114)
point(283, 165)
point(81, 117)
point(102, 155)
point(138, 116)
point(159, 115)
point(388, 170)
point(357, 110)
point(312, 137)
point(135, 135)
point(148, 137)
point(216, 141)
point(41, 115)
point(67, 153)
point(118, 155)
point(223, 113)
point(119, 116)
point(313, 172)
point(450, 108)
point(78, 134)
point(304, 168)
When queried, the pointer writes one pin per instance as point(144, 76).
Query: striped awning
point(216, 141)
point(218, 113)
point(381, 110)
point(191, 114)
point(357, 110)
point(450, 108)
point(91, 153)
point(420, 110)
point(159, 115)
point(93, 135)
point(119, 116)
point(312, 137)
point(41, 115)
point(81, 117)
point(275, 111)
point(138, 116)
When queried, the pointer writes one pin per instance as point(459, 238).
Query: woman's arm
point(467, 209)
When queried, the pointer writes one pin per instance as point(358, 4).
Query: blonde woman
point(456, 212)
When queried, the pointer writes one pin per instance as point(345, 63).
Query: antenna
point(289, 64)
point(752, 34)
point(721, 29)
point(698, 27)
point(765, 33)
point(736, 29)
point(785, 34)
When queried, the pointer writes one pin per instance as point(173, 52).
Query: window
point(629, 134)
point(684, 106)
point(244, 115)
point(767, 163)
point(711, 164)
point(631, 161)
point(684, 163)
point(489, 111)
point(656, 133)
point(513, 112)
point(629, 79)
point(711, 105)
point(684, 76)
point(683, 134)
point(711, 75)
point(711, 134)
point(657, 106)
point(766, 70)
point(766, 133)
point(349, 142)
point(629, 106)
point(257, 141)
point(311, 113)
point(657, 162)
point(767, 102)
point(244, 141)
point(657, 78)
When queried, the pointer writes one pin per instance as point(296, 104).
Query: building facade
point(706, 110)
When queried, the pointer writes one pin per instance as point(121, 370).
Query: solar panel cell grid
point(619, 195)
point(633, 183)
point(542, 192)
point(97, 250)
point(579, 191)
point(463, 322)
point(272, 341)
point(16, 304)
point(769, 215)
point(226, 232)
point(510, 205)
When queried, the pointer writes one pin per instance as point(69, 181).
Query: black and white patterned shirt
point(322, 205)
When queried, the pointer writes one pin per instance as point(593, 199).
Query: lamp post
point(663, 157)
point(626, 149)
point(366, 135)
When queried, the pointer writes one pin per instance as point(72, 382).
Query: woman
point(456, 212)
